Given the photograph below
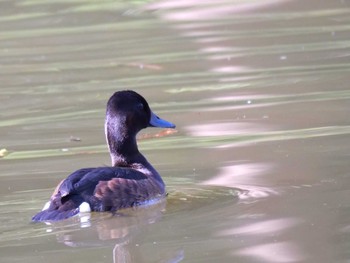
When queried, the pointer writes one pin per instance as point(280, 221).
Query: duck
point(129, 182)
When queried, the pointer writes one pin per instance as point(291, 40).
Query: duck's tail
point(54, 215)
point(55, 210)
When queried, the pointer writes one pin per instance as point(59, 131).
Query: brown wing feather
point(120, 192)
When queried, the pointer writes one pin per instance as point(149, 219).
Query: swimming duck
point(130, 181)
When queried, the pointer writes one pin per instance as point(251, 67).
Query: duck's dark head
point(127, 113)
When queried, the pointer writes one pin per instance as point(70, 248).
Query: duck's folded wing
point(110, 189)
point(118, 193)
point(79, 187)
point(90, 181)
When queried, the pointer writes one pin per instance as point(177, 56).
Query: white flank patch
point(84, 208)
point(84, 215)
point(46, 206)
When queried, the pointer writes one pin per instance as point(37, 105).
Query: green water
point(257, 170)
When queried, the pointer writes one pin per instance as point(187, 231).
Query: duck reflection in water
point(123, 233)
point(131, 181)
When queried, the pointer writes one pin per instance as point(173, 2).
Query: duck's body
point(130, 181)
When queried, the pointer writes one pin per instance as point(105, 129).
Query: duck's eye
point(140, 106)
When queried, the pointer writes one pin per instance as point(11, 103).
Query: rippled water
point(257, 170)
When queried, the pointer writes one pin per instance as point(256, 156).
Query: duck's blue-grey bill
point(155, 121)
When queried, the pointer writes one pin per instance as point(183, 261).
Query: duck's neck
point(122, 145)
point(124, 152)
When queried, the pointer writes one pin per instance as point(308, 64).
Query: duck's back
point(102, 189)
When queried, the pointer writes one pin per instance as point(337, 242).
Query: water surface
point(257, 170)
